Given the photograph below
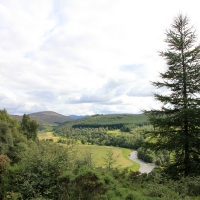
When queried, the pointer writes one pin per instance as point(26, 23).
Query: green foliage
point(145, 155)
point(4, 168)
point(123, 121)
point(29, 127)
point(12, 142)
point(176, 124)
point(161, 191)
point(83, 158)
point(49, 171)
point(186, 186)
point(89, 184)
point(40, 168)
point(102, 136)
point(47, 128)
point(110, 159)
point(160, 157)
point(6, 140)
point(8, 127)
point(4, 164)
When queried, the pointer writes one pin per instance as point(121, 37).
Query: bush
point(40, 169)
point(186, 186)
point(161, 191)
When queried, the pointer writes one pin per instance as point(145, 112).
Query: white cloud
point(83, 57)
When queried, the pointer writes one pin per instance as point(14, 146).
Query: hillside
point(77, 116)
point(47, 117)
point(114, 121)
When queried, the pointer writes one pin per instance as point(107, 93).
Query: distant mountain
point(77, 117)
point(18, 117)
point(47, 117)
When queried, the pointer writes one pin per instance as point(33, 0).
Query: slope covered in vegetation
point(33, 169)
point(117, 121)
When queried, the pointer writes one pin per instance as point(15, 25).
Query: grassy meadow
point(114, 132)
point(47, 136)
point(99, 153)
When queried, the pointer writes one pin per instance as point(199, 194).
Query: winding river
point(144, 167)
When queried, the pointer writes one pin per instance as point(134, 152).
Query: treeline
point(93, 130)
point(160, 157)
point(101, 136)
point(14, 136)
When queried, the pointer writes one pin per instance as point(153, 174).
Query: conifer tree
point(177, 123)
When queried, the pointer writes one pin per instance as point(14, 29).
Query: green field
point(99, 153)
point(47, 135)
point(114, 132)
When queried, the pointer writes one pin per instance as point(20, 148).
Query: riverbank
point(144, 167)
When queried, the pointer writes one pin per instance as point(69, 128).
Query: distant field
point(98, 153)
point(47, 135)
point(114, 132)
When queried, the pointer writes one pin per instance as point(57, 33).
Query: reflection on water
point(144, 167)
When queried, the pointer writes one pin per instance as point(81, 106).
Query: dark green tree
point(29, 127)
point(177, 123)
point(39, 169)
point(12, 141)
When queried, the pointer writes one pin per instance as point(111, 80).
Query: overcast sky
point(84, 56)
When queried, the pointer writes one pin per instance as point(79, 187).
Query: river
point(144, 167)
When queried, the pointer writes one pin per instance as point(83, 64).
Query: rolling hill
point(111, 121)
point(47, 117)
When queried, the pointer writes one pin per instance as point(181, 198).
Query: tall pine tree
point(177, 123)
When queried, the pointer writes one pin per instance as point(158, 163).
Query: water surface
point(144, 167)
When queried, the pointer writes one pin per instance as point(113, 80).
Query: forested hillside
point(115, 121)
point(128, 130)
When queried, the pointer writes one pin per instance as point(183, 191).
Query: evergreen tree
point(177, 123)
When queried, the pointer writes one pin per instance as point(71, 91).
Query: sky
point(84, 57)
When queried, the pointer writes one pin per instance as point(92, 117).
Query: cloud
point(12, 105)
point(106, 94)
point(141, 88)
point(83, 57)
point(135, 68)
point(43, 95)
